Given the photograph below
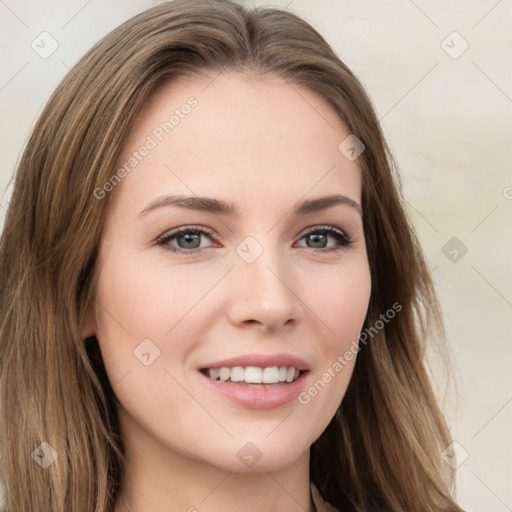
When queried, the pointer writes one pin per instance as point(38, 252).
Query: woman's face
point(272, 285)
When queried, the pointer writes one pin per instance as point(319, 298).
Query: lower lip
point(258, 397)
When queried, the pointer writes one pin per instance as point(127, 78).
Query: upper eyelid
point(211, 232)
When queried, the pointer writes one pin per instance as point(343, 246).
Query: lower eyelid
point(329, 231)
point(165, 239)
point(344, 243)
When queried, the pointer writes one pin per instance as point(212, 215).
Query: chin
point(253, 456)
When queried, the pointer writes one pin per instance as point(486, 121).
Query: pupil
point(317, 238)
point(190, 238)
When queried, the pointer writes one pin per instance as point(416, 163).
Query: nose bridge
point(263, 289)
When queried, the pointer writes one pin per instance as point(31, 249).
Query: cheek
point(157, 301)
point(146, 309)
point(341, 302)
point(142, 301)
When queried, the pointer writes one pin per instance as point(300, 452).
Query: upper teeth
point(256, 375)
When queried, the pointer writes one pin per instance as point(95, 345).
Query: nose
point(264, 292)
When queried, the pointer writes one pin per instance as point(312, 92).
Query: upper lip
point(261, 361)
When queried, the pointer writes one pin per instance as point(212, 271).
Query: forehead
point(261, 139)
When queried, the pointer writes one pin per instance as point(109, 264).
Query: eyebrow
point(216, 206)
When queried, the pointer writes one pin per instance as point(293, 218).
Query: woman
point(211, 296)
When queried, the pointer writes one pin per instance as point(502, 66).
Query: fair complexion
point(263, 147)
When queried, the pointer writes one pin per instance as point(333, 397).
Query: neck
point(216, 491)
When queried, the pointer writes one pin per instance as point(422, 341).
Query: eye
point(188, 239)
point(319, 235)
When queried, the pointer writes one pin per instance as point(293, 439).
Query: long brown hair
point(381, 451)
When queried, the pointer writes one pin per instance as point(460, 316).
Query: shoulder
point(320, 504)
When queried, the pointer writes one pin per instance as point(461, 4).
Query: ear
point(89, 325)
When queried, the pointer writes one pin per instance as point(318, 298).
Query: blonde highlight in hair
point(381, 451)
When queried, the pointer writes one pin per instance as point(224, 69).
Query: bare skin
point(262, 146)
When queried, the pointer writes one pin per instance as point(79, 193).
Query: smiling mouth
point(254, 376)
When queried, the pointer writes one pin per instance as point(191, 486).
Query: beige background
point(448, 121)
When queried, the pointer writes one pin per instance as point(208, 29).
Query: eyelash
point(343, 238)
